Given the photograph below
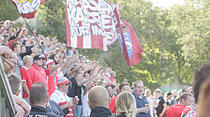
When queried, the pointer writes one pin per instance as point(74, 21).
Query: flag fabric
point(27, 8)
point(129, 43)
point(89, 24)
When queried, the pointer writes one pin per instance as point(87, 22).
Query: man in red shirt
point(186, 99)
point(36, 71)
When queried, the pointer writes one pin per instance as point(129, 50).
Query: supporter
point(39, 100)
point(99, 102)
point(150, 100)
point(23, 108)
point(112, 106)
point(126, 105)
point(203, 100)
point(61, 98)
point(186, 99)
point(161, 105)
point(201, 75)
point(175, 95)
point(36, 71)
point(141, 101)
point(168, 99)
point(112, 79)
point(27, 61)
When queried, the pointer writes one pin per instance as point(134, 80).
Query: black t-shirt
point(159, 108)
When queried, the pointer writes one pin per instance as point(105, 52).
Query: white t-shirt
point(86, 109)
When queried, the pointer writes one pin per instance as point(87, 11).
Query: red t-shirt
point(175, 111)
point(51, 84)
point(25, 76)
point(38, 75)
point(112, 106)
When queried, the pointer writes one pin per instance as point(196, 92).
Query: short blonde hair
point(27, 58)
point(138, 81)
point(126, 104)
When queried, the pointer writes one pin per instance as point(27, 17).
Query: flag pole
point(131, 71)
point(35, 37)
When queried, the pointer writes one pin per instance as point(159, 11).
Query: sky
point(167, 3)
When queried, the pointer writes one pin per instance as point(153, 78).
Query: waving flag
point(89, 24)
point(129, 43)
point(27, 8)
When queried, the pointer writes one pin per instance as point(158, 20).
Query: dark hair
point(200, 76)
point(14, 81)
point(38, 93)
point(122, 85)
point(168, 94)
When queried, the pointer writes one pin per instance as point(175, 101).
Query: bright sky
point(167, 3)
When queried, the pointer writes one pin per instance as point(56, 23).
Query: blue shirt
point(140, 103)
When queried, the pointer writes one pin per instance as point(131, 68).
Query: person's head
point(200, 77)
point(50, 64)
point(147, 93)
point(38, 61)
point(113, 74)
point(16, 48)
point(126, 88)
point(14, 81)
point(109, 88)
point(63, 84)
point(79, 76)
point(157, 93)
point(169, 96)
point(125, 80)
point(185, 89)
point(28, 60)
point(122, 85)
point(186, 99)
point(174, 93)
point(203, 100)
point(98, 96)
point(38, 94)
point(138, 87)
point(126, 104)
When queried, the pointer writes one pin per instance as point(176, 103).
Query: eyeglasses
point(67, 84)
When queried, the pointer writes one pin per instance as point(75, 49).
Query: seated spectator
point(39, 100)
point(99, 102)
point(186, 99)
point(23, 108)
point(61, 98)
point(126, 105)
point(203, 100)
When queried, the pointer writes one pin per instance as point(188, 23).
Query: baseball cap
point(49, 62)
point(62, 80)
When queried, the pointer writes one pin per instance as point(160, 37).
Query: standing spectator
point(201, 75)
point(61, 98)
point(161, 104)
point(150, 100)
point(175, 95)
point(141, 101)
point(36, 72)
point(168, 99)
point(23, 108)
point(126, 105)
point(27, 60)
point(39, 100)
point(99, 102)
point(186, 99)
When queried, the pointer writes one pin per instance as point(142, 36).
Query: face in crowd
point(139, 88)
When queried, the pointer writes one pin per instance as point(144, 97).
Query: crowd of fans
point(51, 80)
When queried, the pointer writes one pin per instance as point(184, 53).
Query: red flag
point(27, 8)
point(130, 44)
point(89, 24)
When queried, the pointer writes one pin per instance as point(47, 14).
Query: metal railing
point(7, 102)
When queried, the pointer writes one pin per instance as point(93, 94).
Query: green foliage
point(8, 10)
